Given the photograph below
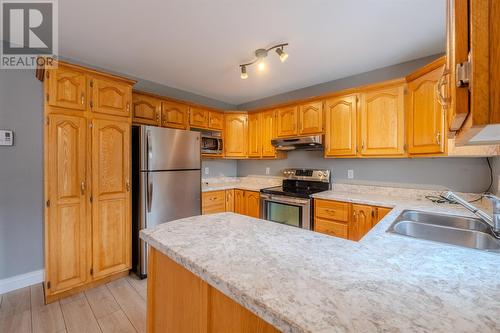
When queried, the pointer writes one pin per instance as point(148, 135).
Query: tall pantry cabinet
point(87, 178)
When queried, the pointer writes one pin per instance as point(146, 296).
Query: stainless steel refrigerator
point(166, 166)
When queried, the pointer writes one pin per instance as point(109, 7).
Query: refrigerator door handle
point(149, 148)
point(149, 198)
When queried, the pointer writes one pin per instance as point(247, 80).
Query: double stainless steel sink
point(456, 230)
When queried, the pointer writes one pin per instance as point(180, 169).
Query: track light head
point(244, 74)
point(282, 54)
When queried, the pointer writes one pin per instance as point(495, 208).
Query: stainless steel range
point(291, 203)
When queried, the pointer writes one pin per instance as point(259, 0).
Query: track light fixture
point(260, 54)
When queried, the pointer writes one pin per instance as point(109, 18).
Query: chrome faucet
point(493, 222)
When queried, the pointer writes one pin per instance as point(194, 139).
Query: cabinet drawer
point(331, 210)
point(213, 202)
point(337, 229)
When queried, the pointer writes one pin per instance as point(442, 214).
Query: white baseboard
point(21, 281)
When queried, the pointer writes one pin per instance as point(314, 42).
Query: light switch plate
point(350, 174)
point(207, 170)
point(6, 138)
point(268, 170)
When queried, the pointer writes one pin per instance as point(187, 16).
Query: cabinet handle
point(157, 117)
point(127, 185)
point(82, 187)
point(83, 98)
point(128, 107)
point(442, 100)
point(363, 145)
point(331, 211)
point(438, 138)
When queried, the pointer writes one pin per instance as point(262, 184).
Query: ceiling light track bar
point(260, 54)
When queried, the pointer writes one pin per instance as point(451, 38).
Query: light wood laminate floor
point(118, 306)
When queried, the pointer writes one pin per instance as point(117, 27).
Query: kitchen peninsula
point(237, 273)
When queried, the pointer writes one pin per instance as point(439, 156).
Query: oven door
point(286, 210)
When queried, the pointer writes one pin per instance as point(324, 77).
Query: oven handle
point(284, 199)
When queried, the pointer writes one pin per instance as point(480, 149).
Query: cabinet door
point(215, 120)
point(174, 115)
point(268, 132)
point(236, 135)
point(111, 97)
point(287, 121)
point(67, 88)
point(67, 227)
point(111, 228)
point(311, 118)
point(254, 135)
point(145, 110)
point(361, 223)
point(381, 212)
point(229, 200)
point(213, 202)
point(252, 203)
point(341, 126)
point(239, 202)
point(426, 119)
point(198, 118)
point(382, 122)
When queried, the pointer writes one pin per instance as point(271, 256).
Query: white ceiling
point(196, 45)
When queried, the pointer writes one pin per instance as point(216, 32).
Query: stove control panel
point(321, 175)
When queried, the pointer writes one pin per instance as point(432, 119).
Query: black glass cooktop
point(297, 188)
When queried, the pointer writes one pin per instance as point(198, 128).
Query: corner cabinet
point(382, 122)
point(341, 126)
point(236, 135)
point(87, 180)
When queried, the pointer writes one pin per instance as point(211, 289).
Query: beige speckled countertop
point(302, 281)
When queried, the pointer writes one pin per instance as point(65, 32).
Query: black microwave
point(211, 144)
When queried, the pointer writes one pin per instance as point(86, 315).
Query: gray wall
point(377, 75)
point(219, 168)
point(21, 174)
point(495, 164)
point(459, 174)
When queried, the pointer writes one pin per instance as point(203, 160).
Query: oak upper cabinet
point(198, 117)
point(174, 115)
point(236, 135)
point(426, 117)
point(382, 122)
point(252, 203)
point(268, 132)
point(254, 135)
point(362, 221)
point(287, 121)
point(111, 211)
point(230, 200)
point(310, 118)
point(215, 120)
point(110, 96)
point(67, 88)
point(341, 126)
point(239, 202)
point(472, 74)
point(67, 246)
point(145, 109)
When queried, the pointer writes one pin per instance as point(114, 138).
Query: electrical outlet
point(350, 174)
point(207, 170)
point(268, 170)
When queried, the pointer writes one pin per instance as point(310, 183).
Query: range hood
point(302, 142)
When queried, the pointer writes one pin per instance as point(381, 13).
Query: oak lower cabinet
point(111, 202)
point(346, 220)
point(146, 109)
point(382, 126)
point(341, 126)
point(235, 135)
point(213, 202)
point(233, 200)
point(229, 200)
point(87, 182)
point(179, 301)
point(426, 116)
